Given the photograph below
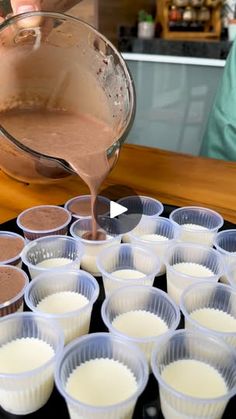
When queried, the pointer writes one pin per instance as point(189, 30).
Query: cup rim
point(205, 209)
point(148, 251)
point(92, 242)
point(159, 242)
point(199, 336)
point(154, 200)
point(78, 197)
point(207, 284)
point(197, 246)
point(216, 241)
point(20, 293)
point(15, 258)
point(56, 330)
point(137, 353)
point(28, 230)
point(33, 243)
point(228, 272)
point(139, 288)
point(51, 277)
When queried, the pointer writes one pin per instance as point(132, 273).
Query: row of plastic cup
point(185, 263)
point(192, 224)
point(197, 224)
point(106, 357)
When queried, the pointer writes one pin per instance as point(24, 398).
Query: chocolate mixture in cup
point(13, 282)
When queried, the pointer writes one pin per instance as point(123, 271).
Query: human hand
point(23, 6)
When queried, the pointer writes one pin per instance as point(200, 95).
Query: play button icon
point(125, 212)
point(116, 209)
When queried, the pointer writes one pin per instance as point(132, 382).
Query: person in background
point(219, 140)
point(23, 6)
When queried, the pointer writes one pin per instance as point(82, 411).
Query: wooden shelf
point(212, 28)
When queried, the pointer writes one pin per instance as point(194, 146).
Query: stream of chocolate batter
point(80, 139)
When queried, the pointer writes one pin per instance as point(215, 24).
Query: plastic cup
point(184, 345)
point(231, 275)
point(157, 234)
point(225, 243)
point(217, 300)
point(150, 207)
point(59, 228)
point(140, 298)
point(127, 257)
point(26, 391)
point(202, 262)
point(14, 257)
point(93, 247)
point(197, 225)
point(95, 347)
point(12, 290)
point(58, 252)
point(73, 323)
point(80, 206)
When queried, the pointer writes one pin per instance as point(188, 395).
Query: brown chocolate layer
point(45, 218)
point(11, 283)
point(10, 247)
point(100, 235)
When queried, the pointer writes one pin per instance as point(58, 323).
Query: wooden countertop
point(172, 178)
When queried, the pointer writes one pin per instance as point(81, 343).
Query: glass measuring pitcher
point(57, 61)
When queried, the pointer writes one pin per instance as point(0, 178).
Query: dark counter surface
point(198, 49)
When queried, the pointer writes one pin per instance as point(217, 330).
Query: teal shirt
point(219, 140)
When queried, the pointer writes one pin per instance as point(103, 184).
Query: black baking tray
point(148, 404)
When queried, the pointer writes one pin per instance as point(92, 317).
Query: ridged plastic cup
point(204, 224)
point(140, 298)
point(208, 295)
point(52, 247)
point(165, 231)
point(127, 256)
point(16, 303)
point(188, 345)
point(151, 207)
point(73, 323)
point(16, 259)
point(73, 205)
point(93, 247)
point(225, 243)
point(194, 254)
point(97, 346)
point(31, 234)
point(231, 275)
point(25, 392)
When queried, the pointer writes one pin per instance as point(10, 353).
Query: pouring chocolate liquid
point(66, 100)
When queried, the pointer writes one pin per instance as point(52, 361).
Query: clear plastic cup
point(80, 206)
point(187, 264)
point(225, 243)
point(76, 322)
point(211, 305)
point(157, 234)
point(150, 207)
point(93, 247)
point(13, 282)
point(231, 274)
point(30, 387)
point(7, 239)
point(184, 345)
point(126, 258)
point(55, 252)
point(40, 212)
point(197, 224)
point(147, 300)
point(95, 347)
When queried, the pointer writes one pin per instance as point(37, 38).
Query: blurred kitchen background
point(176, 52)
